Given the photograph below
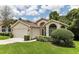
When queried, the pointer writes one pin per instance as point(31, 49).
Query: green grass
point(37, 48)
point(4, 37)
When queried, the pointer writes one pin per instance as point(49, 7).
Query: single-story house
point(34, 29)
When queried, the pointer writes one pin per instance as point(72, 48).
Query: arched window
point(52, 27)
point(42, 23)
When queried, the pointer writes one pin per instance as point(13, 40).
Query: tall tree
point(64, 20)
point(6, 15)
point(75, 28)
point(73, 14)
point(54, 15)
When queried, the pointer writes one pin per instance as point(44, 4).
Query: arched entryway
point(52, 27)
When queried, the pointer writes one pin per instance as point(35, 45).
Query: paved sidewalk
point(14, 40)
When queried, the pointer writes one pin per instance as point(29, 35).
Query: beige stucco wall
point(35, 32)
point(20, 30)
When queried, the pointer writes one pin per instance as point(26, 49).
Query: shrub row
point(6, 34)
point(43, 38)
point(61, 37)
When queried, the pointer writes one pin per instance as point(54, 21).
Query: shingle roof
point(32, 24)
point(41, 19)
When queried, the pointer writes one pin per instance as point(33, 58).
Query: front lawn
point(37, 48)
point(4, 37)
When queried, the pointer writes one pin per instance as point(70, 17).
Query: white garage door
point(20, 32)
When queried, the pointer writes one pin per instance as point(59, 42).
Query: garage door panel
point(20, 30)
point(20, 33)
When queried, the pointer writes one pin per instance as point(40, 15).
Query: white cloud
point(47, 17)
point(46, 7)
point(74, 6)
point(33, 7)
point(22, 7)
point(21, 10)
point(22, 13)
point(31, 10)
point(24, 18)
point(42, 10)
point(14, 17)
point(15, 11)
point(51, 8)
point(35, 19)
point(32, 13)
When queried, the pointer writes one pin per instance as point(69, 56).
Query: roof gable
point(56, 22)
point(19, 22)
point(41, 20)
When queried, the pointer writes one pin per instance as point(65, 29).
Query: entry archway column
point(47, 30)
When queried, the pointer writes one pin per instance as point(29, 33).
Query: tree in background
point(68, 19)
point(75, 28)
point(73, 14)
point(54, 15)
point(64, 20)
point(6, 15)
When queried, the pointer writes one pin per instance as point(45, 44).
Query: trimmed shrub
point(63, 37)
point(4, 34)
point(43, 38)
point(7, 34)
point(26, 37)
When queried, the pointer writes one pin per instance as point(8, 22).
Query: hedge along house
point(34, 29)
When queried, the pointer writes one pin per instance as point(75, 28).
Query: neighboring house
point(34, 29)
point(4, 29)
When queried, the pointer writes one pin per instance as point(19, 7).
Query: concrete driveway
point(14, 40)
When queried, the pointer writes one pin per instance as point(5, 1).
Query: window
point(42, 24)
point(3, 29)
point(9, 29)
point(52, 27)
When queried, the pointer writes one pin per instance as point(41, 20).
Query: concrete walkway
point(14, 40)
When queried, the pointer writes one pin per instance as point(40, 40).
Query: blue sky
point(35, 12)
